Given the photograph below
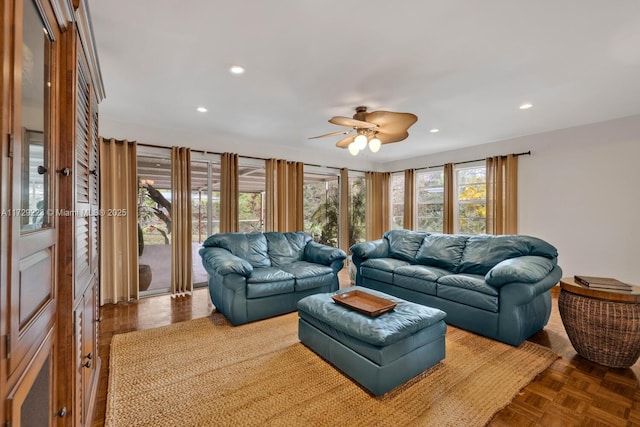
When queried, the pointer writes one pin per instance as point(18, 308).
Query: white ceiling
point(462, 66)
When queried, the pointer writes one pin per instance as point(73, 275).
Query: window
point(154, 222)
point(471, 192)
point(430, 200)
point(37, 75)
point(213, 210)
point(154, 215)
point(251, 186)
point(397, 200)
point(357, 199)
point(321, 207)
point(205, 211)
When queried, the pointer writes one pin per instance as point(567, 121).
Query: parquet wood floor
point(571, 392)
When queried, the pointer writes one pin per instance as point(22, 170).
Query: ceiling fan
point(376, 128)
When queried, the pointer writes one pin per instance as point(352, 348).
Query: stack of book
point(603, 283)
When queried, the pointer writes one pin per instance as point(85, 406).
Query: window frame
point(456, 195)
point(417, 197)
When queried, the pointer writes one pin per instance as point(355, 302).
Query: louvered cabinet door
point(94, 195)
point(83, 184)
point(89, 361)
point(88, 364)
point(86, 220)
point(78, 364)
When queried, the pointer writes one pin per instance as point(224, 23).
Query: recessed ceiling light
point(236, 69)
point(434, 130)
point(526, 106)
point(202, 109)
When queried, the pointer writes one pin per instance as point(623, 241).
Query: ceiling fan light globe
point(361, 142)
point(374, 145)
point(353, 149)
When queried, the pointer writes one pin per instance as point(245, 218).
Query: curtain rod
point(249, 157)
point(525, 153)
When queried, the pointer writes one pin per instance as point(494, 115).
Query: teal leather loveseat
point(253, 276)
point(496, 286)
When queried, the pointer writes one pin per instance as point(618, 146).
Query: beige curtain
point(284, 195)
point(409, 199)
point(343, 216)
point(181, 262)
point(229, 193)
point(449, 191)
point(378, 204)
point(270, 166)
point(502, 194)
point(295, 196)
point(119, 234)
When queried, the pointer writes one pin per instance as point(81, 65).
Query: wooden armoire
point(50, 87)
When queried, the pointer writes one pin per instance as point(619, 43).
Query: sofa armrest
point(223, 262)
point(372, 249)
point(322, 254)
point(518, 293)
point(524, 269)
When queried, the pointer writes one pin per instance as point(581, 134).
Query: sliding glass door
point(154, 224)
point(205, 200)
point(321, 207)
point(252, 187)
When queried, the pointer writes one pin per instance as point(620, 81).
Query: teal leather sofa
point(496, 286)
point(253, 276)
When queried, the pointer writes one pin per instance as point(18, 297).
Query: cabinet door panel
point(30, 402)
point(32, 292)
point(89, 358)
point(36, 273)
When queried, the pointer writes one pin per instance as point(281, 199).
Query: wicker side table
point(603, 325)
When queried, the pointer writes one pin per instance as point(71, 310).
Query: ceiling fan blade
point(391, 122)
point(344, 142)
point(388, 138)
point(342, 132)
point(352, 123)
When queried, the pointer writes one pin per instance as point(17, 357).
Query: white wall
point(328, 155)
point(579, 190)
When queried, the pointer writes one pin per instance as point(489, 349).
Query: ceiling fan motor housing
point(361, 113)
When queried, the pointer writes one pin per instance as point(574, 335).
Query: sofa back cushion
point(285, 248)
point(483, 252)
point(249, 246)
point(442, 250)
point(404, 244)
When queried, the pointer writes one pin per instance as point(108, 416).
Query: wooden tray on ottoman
point(364, 302)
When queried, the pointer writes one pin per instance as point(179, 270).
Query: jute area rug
point(205, 372)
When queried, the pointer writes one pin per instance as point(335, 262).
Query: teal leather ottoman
point(381, 352)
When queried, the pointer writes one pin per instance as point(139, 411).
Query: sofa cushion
point(524, 269)
point(404, 244)
point(442, 250)
point(381, 269)
point(285, 248)
point(483, 252)
point(269, 281)
point(469, 289)
point(309, 275)
point(420, 278)
point(249, 246)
